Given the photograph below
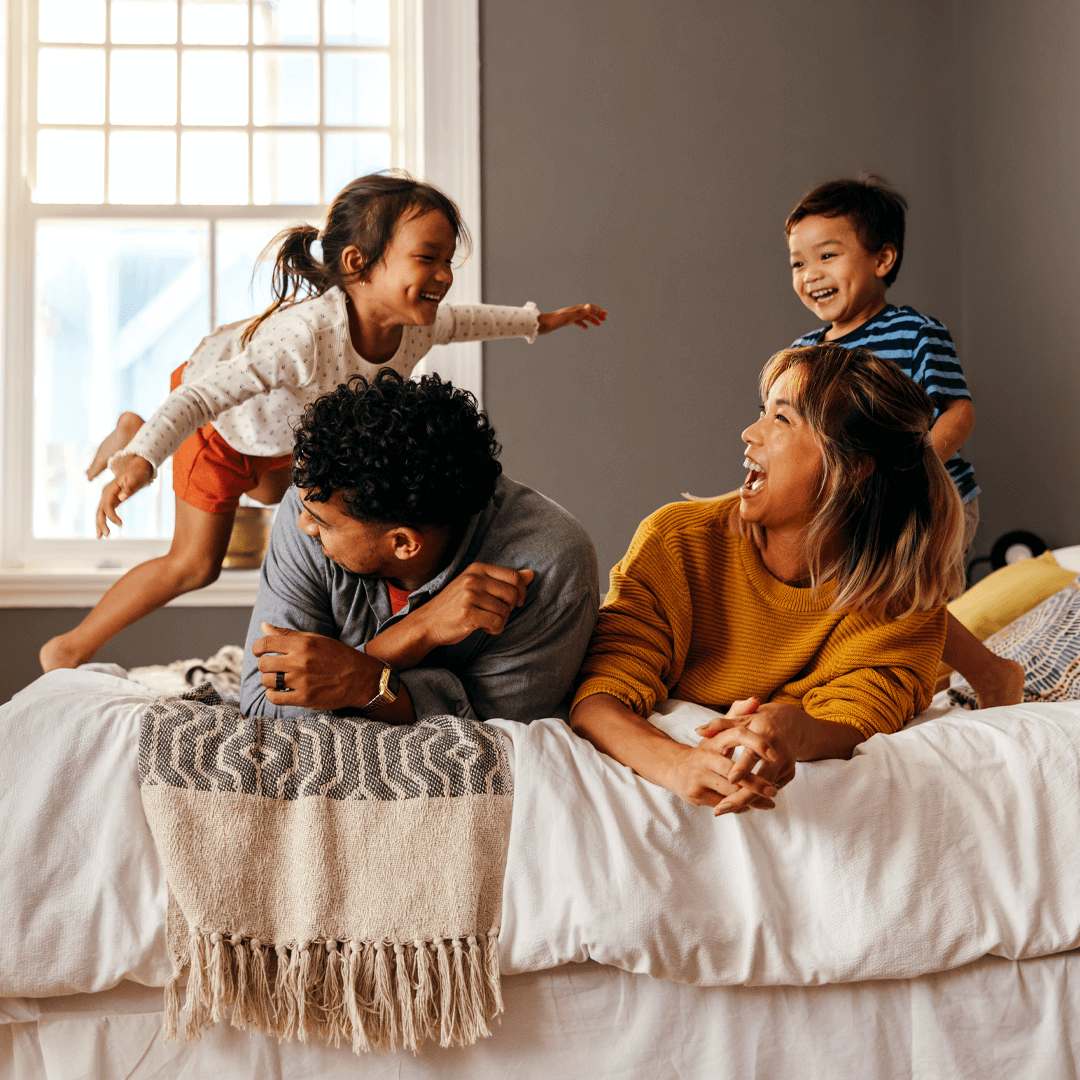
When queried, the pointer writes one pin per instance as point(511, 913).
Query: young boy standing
point(846, 244)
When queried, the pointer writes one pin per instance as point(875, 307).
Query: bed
point(820, 954)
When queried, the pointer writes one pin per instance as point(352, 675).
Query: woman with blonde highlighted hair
point(809, 606)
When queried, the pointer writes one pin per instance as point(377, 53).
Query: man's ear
point(406, 542)
point(886, 259)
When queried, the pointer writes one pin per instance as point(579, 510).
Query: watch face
point(393, 684)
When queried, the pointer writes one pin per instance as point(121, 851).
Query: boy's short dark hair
point(875, 209)
point(400, 451)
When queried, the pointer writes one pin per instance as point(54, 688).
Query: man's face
point(358, 546)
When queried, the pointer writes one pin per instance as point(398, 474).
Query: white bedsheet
point(955, 838)
point(991, 1020)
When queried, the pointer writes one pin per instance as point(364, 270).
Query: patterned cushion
point(1047, 642)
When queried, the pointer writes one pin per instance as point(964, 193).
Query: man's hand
point(580, 314)
point(132, 473)
point(319, 672)
point(481, 597)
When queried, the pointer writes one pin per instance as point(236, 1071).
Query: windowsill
point(83, 589)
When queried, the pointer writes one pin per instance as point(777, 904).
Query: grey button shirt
point(523, 673)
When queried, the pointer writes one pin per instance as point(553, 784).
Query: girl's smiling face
point(408, 283)
point(834, 275)
point(784, 463)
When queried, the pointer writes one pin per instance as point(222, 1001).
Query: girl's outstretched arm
point(580, 314)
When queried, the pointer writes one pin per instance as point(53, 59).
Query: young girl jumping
point(374, 279)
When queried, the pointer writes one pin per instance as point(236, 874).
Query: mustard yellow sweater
point(692, 613)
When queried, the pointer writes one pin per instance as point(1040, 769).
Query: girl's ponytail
point(297, 274)
point(364, 215)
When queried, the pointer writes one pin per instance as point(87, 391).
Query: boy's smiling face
point(834, 275)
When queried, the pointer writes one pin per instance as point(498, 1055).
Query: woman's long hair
point(884, 493)
point(364, 214)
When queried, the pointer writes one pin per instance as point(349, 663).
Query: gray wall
point(644, 156)
point(170, 634)
point(1019, 172)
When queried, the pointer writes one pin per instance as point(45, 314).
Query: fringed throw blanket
point(328, 877)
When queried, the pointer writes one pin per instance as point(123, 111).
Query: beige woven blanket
point(330, 878)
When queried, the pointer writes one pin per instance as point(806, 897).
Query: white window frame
point(441, 40)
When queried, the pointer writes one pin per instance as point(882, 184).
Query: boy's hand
point(581, 314)
point(132, 473)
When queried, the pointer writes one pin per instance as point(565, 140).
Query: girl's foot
point(62, 652)
point(123, 433)
point(1001, 684)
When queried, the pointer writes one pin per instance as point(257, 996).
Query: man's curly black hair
point(399, 451)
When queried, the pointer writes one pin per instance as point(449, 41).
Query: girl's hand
point(581, 314)
point(132, 473)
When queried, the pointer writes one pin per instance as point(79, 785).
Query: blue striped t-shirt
point(923, 348)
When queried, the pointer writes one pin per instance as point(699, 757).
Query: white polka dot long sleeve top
point(253, 394)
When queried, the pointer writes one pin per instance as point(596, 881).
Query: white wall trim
point(64, 588)
point(450, 138)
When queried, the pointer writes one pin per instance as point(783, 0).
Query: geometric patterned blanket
point(1046, 642)
point(328, 877)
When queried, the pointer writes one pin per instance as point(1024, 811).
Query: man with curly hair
point(407, 577)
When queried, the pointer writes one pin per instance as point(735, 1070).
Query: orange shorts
point(210, 475)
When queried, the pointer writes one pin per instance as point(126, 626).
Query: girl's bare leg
point(995, 680)
point(194, 561)
point(121, 435)
point(271, 489)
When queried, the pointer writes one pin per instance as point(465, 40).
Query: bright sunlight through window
point(166, 144)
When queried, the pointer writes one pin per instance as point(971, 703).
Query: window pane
point(215, 22)
point(243, 288)
point(144, 22)
point(214, 88)
point(71, 86)
point(71, 20)
point(286, 22)
point(142, 86)
point(214, 168)
point(117, 308)
point(357, 22)
point(286, 88)
point(70, 167)
point(142, 167)
point(358, 89)
point(286, 168)
point(350, 156)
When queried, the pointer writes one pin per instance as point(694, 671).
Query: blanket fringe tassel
point(370, 995)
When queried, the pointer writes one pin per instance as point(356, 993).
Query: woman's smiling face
point(784, 463)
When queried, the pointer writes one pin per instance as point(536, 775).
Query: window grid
point(402, 131)
point(320, 127)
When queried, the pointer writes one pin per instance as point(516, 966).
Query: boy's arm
point(952, 428)
point(937, 370)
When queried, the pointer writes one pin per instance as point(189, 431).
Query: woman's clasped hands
point(743, 759)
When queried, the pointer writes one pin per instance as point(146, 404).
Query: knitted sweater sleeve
point(642, 634)
point(881, 673)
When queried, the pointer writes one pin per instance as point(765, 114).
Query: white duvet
point(955, 838)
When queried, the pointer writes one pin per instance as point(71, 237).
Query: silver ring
point(279, 684)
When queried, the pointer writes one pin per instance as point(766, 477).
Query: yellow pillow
point(1006, 594)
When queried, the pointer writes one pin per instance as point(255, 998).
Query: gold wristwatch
point(389, 687)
